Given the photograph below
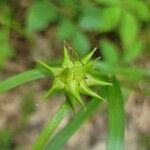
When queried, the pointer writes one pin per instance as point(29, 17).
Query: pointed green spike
point(93, 81)
point(57, 85)
point(54, 71)
point(48, 93)
point(66, 56)
point(85, 59)
point(78, 98)
point(89, 65)
point(88, 91)
point(67, 62)
point(73, 90)
point(72, 102)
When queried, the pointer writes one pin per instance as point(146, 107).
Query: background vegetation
point(36, 29)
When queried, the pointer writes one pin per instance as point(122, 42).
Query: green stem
point(52, 125)
point(58, 141)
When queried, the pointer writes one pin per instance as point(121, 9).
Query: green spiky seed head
point(74, 78)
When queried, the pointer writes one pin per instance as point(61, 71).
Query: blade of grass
point(52, 125)
point(61, 138)
point(131, 73)
point(19, 79)
point(115, 139)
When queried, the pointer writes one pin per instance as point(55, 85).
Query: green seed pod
point(74, 78)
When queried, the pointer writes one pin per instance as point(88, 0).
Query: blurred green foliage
point(5, 23)
point(120, 29)
point(115, 24)
point(74, 19)
point(40, 14)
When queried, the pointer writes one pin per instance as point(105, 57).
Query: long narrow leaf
point(20, 79)
point(115, 140)
point(131, 73)
point(61, 138)
point(52, 125)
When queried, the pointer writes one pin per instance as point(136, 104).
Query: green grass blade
point(115, 139)
point(52, 125)
point(130, 73)
point(61, 138)
point(20, 79)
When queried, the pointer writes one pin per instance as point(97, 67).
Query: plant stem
point(52, 125)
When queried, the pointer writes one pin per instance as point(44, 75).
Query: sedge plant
point(75, 77)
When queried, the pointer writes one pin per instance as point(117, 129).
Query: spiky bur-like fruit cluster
point(74, 78)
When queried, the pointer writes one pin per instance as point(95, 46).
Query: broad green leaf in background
point(133, 51)
point(90, 23)
point(5, 49)
point(109, 51)
point(39, 15)
point(129, 28)
point(109, 19)
point(66, 30)
point(52, 125)
point(19, 79)
point(140, 8)
point(115, 139)
point(61, 137)
point(102, 20)
point(81, 43)
point(90, 19)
